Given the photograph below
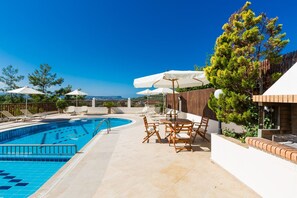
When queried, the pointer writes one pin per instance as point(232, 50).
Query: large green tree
point(44, 79)
point(234, 67)
point(10, 78)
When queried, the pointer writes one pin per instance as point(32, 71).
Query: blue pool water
point(24, 175)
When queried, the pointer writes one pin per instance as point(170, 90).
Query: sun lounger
point(71, 110)
point(11, 117)
point(29, 115)
point(80, 110)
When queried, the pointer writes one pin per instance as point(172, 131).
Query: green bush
point(250, 131)
point(109, 104)
point(61, 104)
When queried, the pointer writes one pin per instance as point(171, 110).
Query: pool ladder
point(107, 121)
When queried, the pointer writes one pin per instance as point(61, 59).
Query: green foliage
point(268, 123)
point(10, 78)
point(61, 104)
point(194, 88)
point(247, 39)
point(275, 76)
point(64, 90)
point(250, 131)
point(109, 104)
point(44, 79)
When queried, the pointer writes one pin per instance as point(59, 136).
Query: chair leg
point(159, 137)
point(203, 136)
point(193, 140)
point(147, 138)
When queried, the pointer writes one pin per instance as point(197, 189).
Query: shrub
point(61, 104)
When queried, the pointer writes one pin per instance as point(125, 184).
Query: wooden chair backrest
point(185, 127)
point(145, 122)
point(203, 124)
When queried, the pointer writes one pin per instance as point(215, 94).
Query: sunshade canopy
point(145, 92)
point(77, 93)
point(163, 91)
point(180, 79)
point(25, 90)
point(172, 79)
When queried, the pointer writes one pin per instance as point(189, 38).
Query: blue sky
point(101, 46)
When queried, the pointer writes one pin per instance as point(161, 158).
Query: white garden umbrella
point(25, 90)
point(76, 93)
point(172, 79)
point(146, 92)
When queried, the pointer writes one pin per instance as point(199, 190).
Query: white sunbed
point(71, 110)
point(29, 115)
point(11, 117)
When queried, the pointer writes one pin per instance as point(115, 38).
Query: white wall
point(119, 110)
point(212, 124)
point(97, 110)
point(266, 174)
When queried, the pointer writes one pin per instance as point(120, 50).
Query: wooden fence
point(268, 69)
point(194, 102)
point(32, 107)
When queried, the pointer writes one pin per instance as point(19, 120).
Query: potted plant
point(109, 105)
point(61, 105)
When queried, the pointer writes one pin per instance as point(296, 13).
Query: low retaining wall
point(115, 110)
point(212, 124)
point(266, 174)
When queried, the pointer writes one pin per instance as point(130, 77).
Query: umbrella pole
point(76, 100)
point(26, 105)
point(164, 104)
point(173, 100)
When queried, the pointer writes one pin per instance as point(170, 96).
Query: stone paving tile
point(119, 165)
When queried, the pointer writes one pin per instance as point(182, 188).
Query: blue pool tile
point(9, 177)
point(22, 184)
point(15, 180)
point(5, 187)
point(4, 174)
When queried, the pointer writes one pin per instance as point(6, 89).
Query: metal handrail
point(107, 120)
point(38, 149)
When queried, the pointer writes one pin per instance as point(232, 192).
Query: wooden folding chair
point(201, 128)
point(150, 129)
point(182, 134)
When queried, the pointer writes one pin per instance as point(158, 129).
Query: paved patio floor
point(119, 165)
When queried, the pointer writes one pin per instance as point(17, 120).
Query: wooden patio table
point(175, 125)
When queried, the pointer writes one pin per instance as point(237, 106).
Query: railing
point(107, 121)
point(14, 108)
point(38, 149)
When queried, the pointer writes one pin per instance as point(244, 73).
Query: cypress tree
point(234, 67)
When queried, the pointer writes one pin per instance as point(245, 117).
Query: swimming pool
point(28, 172)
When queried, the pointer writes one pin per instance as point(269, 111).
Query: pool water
point(23, 178)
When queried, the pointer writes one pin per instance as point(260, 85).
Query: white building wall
point(266, 174)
